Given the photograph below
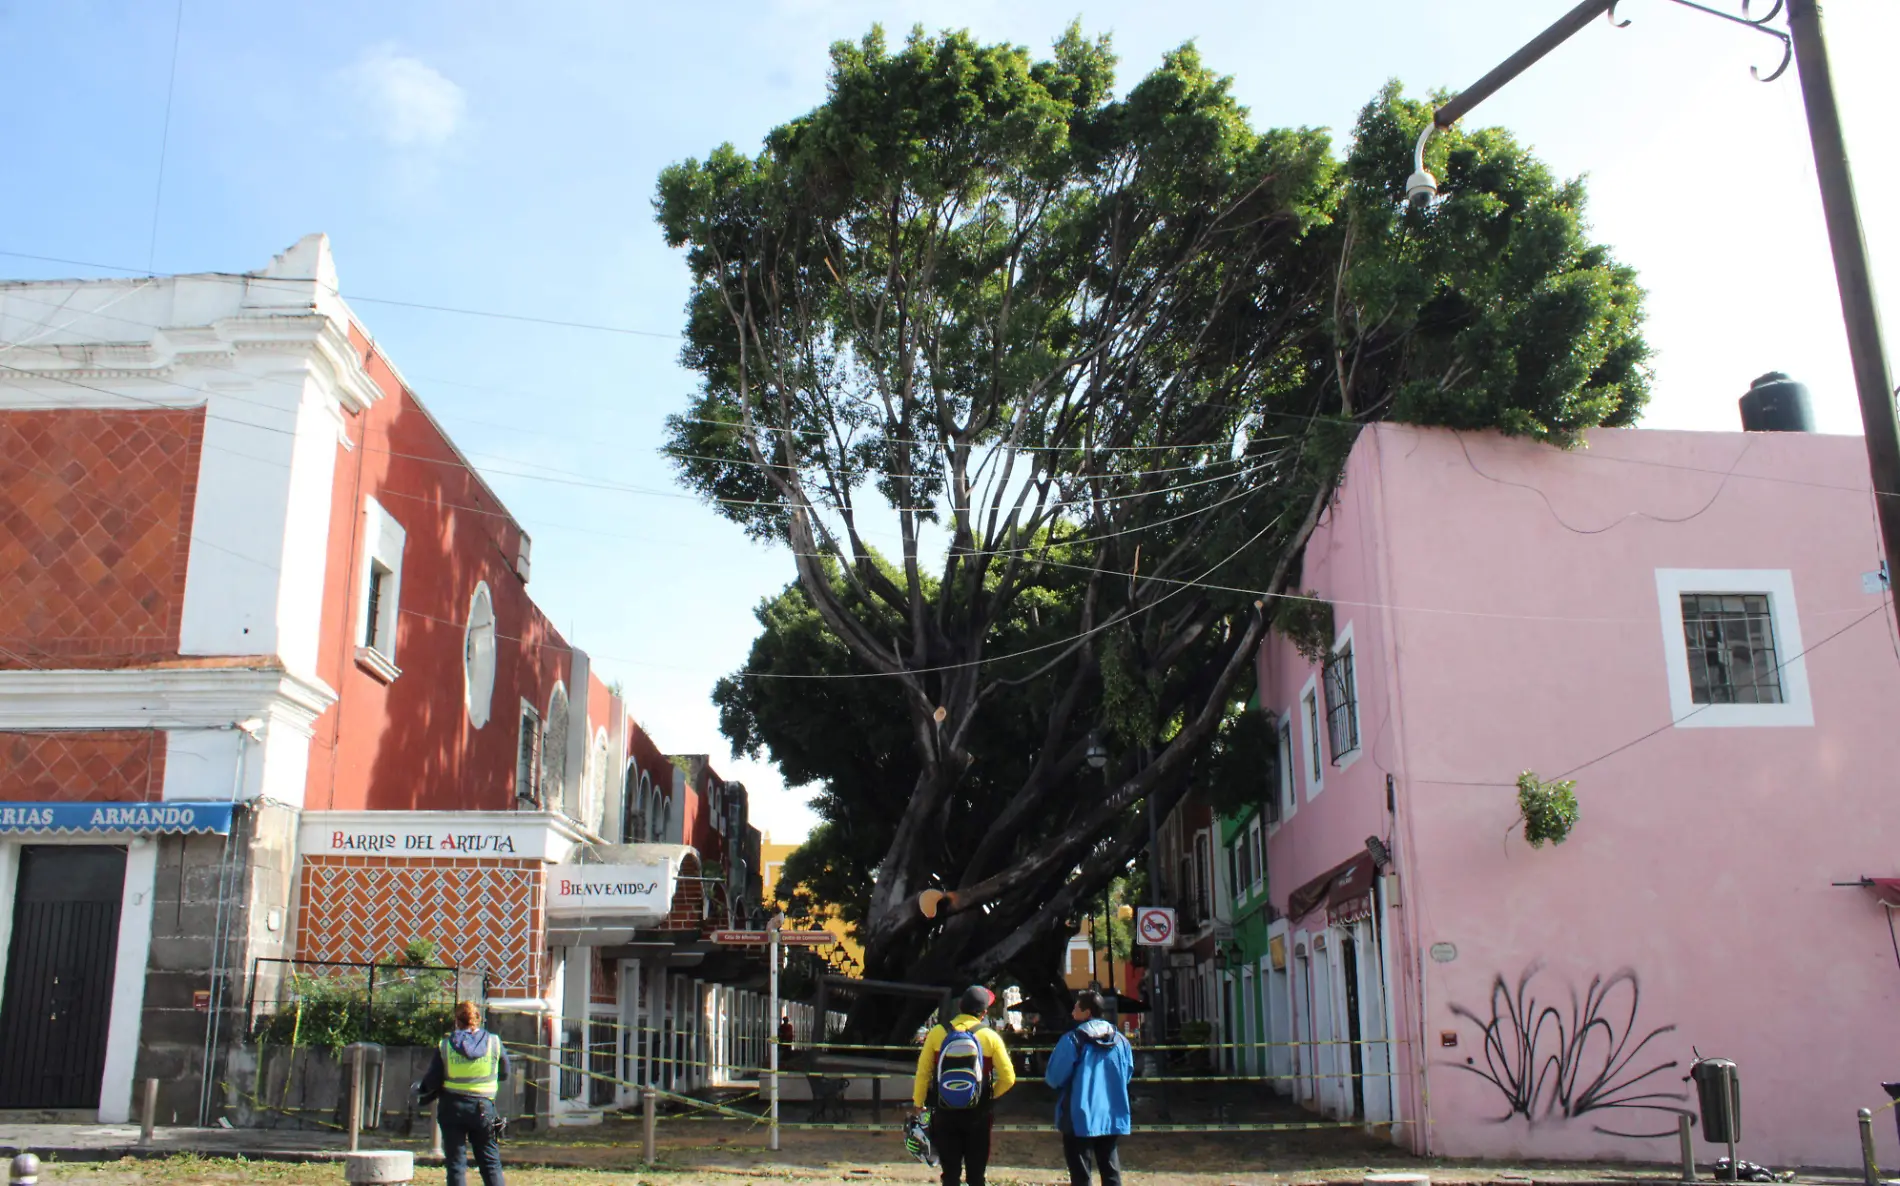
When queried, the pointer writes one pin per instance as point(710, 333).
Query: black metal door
point(59, 976)
point(1350, 969)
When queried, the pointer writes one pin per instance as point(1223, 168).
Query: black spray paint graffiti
point(1548, 1064)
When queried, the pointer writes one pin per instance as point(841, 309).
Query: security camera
point(1420, 188)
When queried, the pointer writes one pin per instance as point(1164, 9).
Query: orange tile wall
point(477, 913)
point(95, 525)
point(119, 766)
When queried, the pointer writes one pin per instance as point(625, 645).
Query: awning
point(113, 818)
point(1345, 890)
point(623, 889)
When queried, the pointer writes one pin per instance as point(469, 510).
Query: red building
point(274, 694)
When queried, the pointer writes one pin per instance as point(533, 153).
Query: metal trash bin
point(373, 1053)
point(1718, 1089)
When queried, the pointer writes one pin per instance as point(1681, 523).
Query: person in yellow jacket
point(963, 1070)
point(466, 1075)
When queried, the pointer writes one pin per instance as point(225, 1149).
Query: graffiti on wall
point(1592, 1059)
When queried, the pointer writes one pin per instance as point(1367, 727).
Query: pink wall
point(1331, 820)
point(1505, 599)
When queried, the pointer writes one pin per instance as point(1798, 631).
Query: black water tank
point(1776, 403)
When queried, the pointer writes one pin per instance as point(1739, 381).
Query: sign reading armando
point(609, 890)
point(115, 817)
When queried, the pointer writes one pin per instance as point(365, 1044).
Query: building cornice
point(160, 698)
point(316, 336)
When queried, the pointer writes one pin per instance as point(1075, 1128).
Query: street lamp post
point(1804, 43)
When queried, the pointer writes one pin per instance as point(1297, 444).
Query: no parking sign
point(1154, 926)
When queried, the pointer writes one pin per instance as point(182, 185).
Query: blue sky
point(501, 156)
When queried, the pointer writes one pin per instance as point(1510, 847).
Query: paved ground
point(695, 1148)
point(734, 1151)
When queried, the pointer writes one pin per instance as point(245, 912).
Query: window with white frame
point(638, 808)
point(1315, 761)
point(594, 801)
point(1342, 702)
point(554, 749)
point(1257, 842)
point(1732, 645)
point(633, 821)
point(528, 757)
point(380, 599)
point(1289, 801)
point(1242, 853)
point(478, 655)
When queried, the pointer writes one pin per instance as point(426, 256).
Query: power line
point(1626, 517)
point(568, 477)
point(1673, 721)
point(165, 134)
point(252, 278)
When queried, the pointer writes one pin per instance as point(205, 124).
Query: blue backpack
point(962, 1074)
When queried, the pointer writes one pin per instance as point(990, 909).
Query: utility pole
point(1806, 45)
point(1872, 379)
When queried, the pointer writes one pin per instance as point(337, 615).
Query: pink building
point(1502, 606)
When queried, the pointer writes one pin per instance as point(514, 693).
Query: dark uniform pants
point(962, 1142)
point(467, 1120)
point(1086, 1153)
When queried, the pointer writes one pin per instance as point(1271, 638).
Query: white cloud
point(407, 101)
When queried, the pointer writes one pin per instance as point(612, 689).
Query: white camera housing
point(1420, 188)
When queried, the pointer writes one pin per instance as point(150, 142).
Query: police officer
point(465, 1074)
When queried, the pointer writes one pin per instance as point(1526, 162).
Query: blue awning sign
point(70, 818)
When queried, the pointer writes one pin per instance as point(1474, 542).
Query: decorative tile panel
point(479, 914)
point(95, 527)
point(115, 766)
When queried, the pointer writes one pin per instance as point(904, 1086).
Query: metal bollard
point(148, 1111)
point(1867, 1166)
point(25, 1170)
point(1688, 1146)
point(356, 1097)
point(649, 1122)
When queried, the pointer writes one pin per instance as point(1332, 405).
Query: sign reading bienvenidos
point(608, 890)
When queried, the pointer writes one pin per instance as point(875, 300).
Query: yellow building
point(772, 860)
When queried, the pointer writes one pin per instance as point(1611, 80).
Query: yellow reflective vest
point(472, 1076)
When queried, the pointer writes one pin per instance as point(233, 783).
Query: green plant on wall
point(1548, 810)
point(1307, 622)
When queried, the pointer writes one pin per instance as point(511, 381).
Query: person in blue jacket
point(1090, 1068)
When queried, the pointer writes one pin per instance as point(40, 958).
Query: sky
point(501, 157)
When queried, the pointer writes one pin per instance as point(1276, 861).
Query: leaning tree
point(1044, 390)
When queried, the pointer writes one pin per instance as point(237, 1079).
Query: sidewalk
point(721, 1148)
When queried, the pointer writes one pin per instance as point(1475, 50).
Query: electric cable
point(165, 134)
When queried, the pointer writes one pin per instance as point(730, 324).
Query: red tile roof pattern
point(95, 526)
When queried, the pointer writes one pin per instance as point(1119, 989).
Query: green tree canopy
point(1044, 388)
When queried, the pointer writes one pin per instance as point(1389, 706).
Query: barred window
point(1342, 704)
point(1731, 641)
point(1289, 799)
point(528, 758)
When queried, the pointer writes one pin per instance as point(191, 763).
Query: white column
point(9, 878)
point(128, 980)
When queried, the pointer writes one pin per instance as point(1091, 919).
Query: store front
point(77, 884)
point(1340, 993)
